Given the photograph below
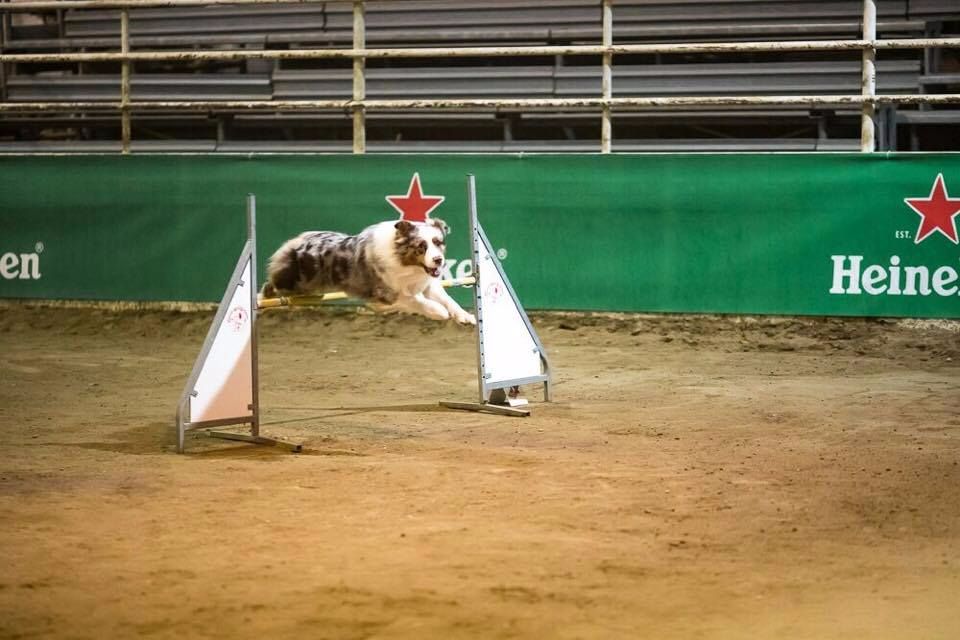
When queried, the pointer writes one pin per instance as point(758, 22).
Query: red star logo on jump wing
point(415, 206)
point(937, 212)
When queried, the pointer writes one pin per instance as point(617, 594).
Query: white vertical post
point(254, 364)
point(477, 298)
point(125, 82)
point(606, 128)
point(359, 79)
point(869, 78)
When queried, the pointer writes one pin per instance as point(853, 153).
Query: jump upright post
point(223, 387)
point(509, 351)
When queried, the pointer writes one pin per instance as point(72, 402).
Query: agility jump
point(222, 388)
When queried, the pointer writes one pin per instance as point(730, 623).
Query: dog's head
point(422, 244)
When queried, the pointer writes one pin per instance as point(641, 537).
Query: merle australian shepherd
point(393, 265)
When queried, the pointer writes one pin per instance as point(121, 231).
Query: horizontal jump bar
point(309, 301)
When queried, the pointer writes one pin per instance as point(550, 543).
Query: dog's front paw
point(466, 318)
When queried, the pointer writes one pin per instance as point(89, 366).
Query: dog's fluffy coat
point(394, 265)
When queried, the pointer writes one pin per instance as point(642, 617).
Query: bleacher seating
point(167, 86)
point(548, 81)
point(480, 23)
point(495, 21)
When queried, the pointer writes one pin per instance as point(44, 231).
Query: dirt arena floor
point(695, 478)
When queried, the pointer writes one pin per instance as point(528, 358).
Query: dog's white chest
point(411, 285)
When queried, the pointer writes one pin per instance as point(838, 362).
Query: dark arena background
point(733, 227)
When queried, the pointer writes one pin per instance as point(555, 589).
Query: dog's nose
point(438, 261)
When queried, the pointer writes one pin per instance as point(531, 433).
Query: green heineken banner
point(824, 234)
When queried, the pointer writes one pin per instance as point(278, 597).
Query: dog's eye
point(422, 246)
point(438, 242)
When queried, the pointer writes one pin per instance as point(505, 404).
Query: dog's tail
point(283, 272)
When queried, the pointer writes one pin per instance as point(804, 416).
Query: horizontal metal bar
point(43, 5)
point(222, 422)
point(460, 52)
point(49, 5)
point(486, 407)
point(516, 382)
point(487, 103)
point(242, 437)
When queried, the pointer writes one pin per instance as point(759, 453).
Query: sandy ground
point(695, 478)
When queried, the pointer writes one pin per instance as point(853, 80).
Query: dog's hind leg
point(283, 272)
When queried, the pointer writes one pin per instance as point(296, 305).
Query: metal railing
point(358, 105)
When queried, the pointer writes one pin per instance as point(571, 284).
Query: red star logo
point(937, 212)
point(415, 206)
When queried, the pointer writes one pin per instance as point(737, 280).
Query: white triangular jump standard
point(509, 352)
point(223, 388)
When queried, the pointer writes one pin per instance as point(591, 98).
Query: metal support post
point(254, 325)
point(125, 82)
point(359, 79)
point(606, 127)
point(4, 38)
point(5, 26)
point(869, 78)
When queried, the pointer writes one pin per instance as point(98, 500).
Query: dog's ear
point(404, 227)
point(440, 224)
